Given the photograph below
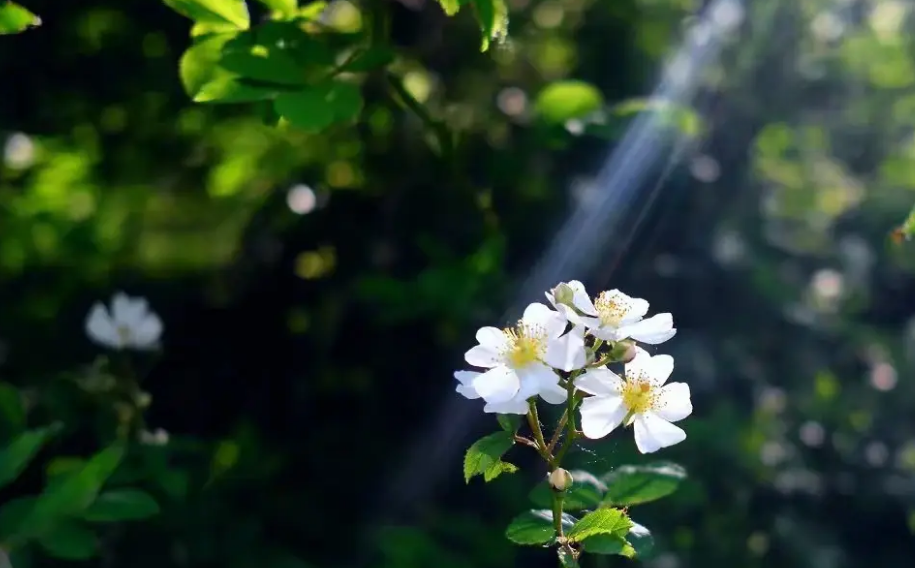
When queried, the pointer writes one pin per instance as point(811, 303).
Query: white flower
point(642, 398)
point(519, 360)
point(570, 298)
point(129, 325)
point(617, 316)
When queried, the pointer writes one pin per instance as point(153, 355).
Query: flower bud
point(623, 351)
point(560, 479)
point(564, 294)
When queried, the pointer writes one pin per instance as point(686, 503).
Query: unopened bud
point(560, 479)
point(564, 294)
point(623, 351)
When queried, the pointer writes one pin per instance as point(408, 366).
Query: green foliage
point(633, 485)
point(586, 492)
point(509, 422)
point(317, 107)
point(14, 18)
point(564, 100)
point(609, 522)
point(121, 505)
point(483, 457)
point(213, 12)
point(19, 452)
point(12, 412)
point(535, 527)
point(491, 15)
point(69, 540)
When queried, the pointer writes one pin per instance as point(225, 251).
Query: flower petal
point(654, 330)
point(600, 381)
point(659, 368)
point(465, 386)
point(480, 356)
point(497, 385)
point(538, 315)
point(567, 353)
point(580, 298)
point(514, 406)
point(540, 379)
point(100, 327)
point(640, 364)
point(146, 334)
point(600, 415)
point(127, 311)
point(653, 433)
point(674, 403)
point(492, 338)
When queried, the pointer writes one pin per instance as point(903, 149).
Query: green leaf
point(62, 466)
point(632, 485)
point(372, 58)
point(69, 541)
point(14, 19)
point(493, 18)
point(485, 453)
point(497, 469)
point(12, 413)
point(452, 7)
point(509, 422)
point(613, 522)
point(121, 505)
point(75, 492)
point(566, 559)
point(564, 100)
point(12, 515)
point(19, 453)
point(586, 492)
point(536, 527)
point(206, 82)
point(234, 12)
point(285, 7)
point(680, 117)
point(608, 544)
point(251, 60)
point(641, 540)
point(317, 107)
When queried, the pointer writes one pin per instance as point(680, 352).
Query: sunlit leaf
point(493, 18)
point(285, 7)
point(14, 18)
point(234, 12)
point(611, 522)
point(206, 81)
point(251, 60)
point(565, 100)
point(486, 453)
point(632, 485)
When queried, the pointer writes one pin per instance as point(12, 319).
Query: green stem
point(533, 419)
point(403, 96)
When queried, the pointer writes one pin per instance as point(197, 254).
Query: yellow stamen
point(611, 309)
point(526, 345)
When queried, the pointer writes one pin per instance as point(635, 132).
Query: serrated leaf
point(612, 522)
point(234, 12)
point(14, 18)
point(565, 100)
point(509, 422)
point(498, 469)
point(20, 451)
point(608, 544)
point(493, 18)
point(632, 485)
point(121, 505)
point(586, 492)
point(536, 527)
point(74, 493)
point(69, 541)
point(485, 453)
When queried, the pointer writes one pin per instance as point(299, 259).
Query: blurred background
point(318, 290)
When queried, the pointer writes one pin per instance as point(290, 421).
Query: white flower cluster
point(130, 324)
point(555, 353)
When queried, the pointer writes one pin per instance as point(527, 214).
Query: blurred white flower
point(519, 360)
point(642, 398)
point(128, 325)
point(617, 316)
point(157, 438)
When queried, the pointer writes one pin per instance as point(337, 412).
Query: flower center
point(639, 396)
point(124, 333)
point(526, 345)
point(610, 309)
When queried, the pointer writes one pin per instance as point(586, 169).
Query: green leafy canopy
point(484, 457)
